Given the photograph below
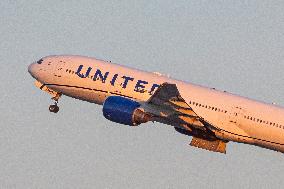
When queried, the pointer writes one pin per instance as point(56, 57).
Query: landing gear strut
point(54, 107)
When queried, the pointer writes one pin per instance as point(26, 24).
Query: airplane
point(133, 97)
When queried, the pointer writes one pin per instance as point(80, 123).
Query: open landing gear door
point(55, 96)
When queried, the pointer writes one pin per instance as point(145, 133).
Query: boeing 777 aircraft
point(132, 97)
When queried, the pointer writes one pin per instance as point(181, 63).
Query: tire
point(53, 108)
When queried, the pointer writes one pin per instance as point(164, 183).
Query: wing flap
point(214, 146)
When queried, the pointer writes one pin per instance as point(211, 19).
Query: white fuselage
point(236, 118)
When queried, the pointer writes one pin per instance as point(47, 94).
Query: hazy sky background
point(233, 45)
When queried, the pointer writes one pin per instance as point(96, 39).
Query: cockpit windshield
point(39, 61)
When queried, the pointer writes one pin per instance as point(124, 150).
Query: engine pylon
point(139, 116)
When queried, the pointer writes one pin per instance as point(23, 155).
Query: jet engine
point(124, 111)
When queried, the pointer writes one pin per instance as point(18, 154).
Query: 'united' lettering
point(83, 75)
point(113, 79)
point(153, 89)
point(126, 79)
point(140, 86)
point(99, 76)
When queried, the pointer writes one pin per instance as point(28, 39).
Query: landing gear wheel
point(53, 108)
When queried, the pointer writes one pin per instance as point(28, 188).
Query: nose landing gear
point(54, 107)
point(55, 96)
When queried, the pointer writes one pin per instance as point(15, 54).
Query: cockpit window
point(40, 61)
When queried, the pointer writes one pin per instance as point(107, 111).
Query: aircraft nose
point(32, 69)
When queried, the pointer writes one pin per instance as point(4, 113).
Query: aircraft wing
point(173, 107)
point(169, 107)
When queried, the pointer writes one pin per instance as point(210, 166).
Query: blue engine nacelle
point(124, 111)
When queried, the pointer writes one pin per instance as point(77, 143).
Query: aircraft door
point(236, 115)
point(232, 127)
point(59, 69)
